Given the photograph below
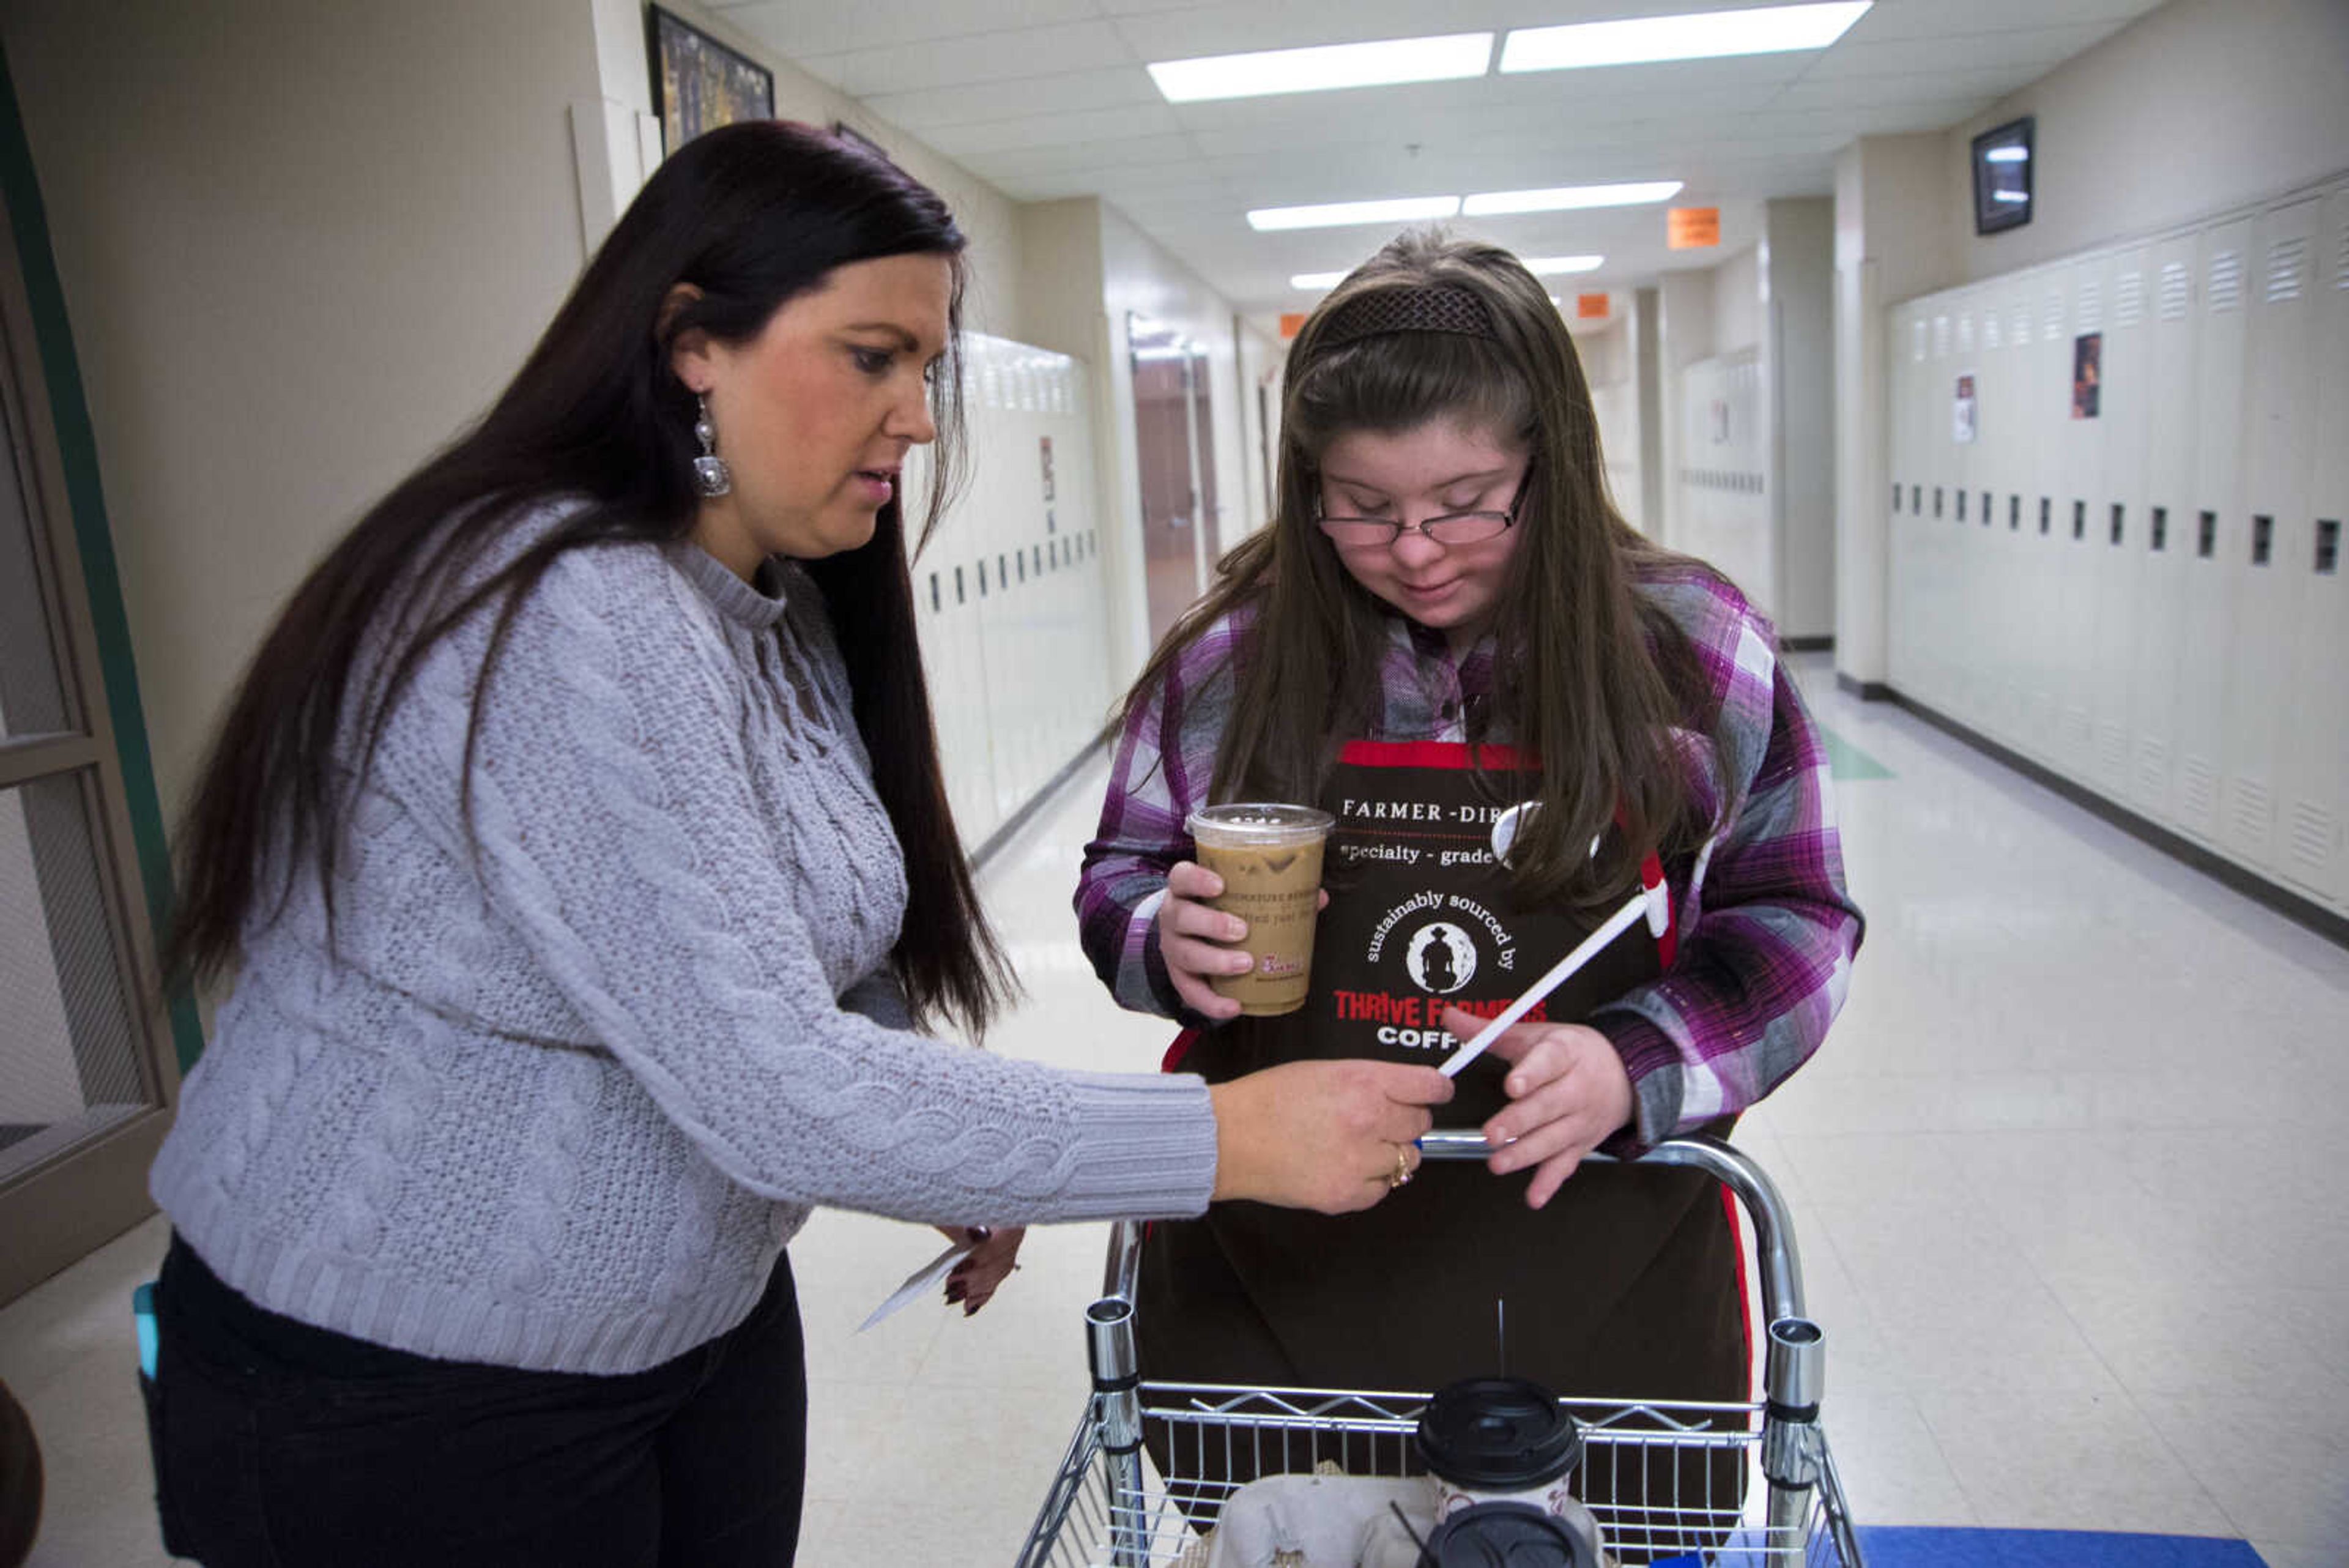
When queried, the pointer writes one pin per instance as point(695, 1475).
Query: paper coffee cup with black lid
point(1504, 1439)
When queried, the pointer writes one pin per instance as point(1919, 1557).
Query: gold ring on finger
point(1402, 1168)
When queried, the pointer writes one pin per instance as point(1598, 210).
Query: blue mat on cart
point(1899, 1546)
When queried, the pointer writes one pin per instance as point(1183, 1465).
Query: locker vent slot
point(2078, 733)
point(2112, 751)
point(2079, 520)
point(2328, 546)
point(2176, 291)
point(2227, 281)
point(2045, 509)
point(1896, 495)
point(2092, 306)
point(2014, 514)
point(2262, 540)
point(2206, 538)
point(1916, 500)
point(2152, 769)
point(2159, 539)
point(935, 605)
point(1966, 333)
point(2312, 835)
point(2255, 813)
point(1985, 509)
point(2052, 322)
point(1937, 500)
point(2285, 261)
point(1940, 336)
point(1990, 329)
point(2129, 303)
point(2022, 324)
point(1916, 347)
point(2195, 792)
point(958, 593)
point(1961, 505)
point(2117, 514)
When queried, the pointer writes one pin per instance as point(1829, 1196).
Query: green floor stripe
point(1845, 761)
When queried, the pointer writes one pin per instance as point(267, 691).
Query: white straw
point(1616, 924)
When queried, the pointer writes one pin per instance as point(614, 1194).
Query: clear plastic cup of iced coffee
point(1269, 857)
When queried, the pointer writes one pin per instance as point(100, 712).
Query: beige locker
point(2220, 534)
point(2118, 527)
point(2278, 465)
point(2171, 369)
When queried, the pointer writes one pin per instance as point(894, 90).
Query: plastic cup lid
point(1503, 1535)
point(1497, 1434)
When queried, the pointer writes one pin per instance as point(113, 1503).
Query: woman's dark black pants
point(278, 1445)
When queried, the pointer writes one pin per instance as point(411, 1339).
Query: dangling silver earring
point(710, 475)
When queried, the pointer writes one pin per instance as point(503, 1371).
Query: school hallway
point(2060, 1178)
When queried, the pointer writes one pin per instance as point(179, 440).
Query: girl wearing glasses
point(1448, 618)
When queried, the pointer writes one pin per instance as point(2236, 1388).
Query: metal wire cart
point(1106, 1508)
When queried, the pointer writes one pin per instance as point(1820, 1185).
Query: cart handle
point(1774, 1230)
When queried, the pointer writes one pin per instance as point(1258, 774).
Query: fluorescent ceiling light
point(1322, 67)
point(1546, 267)
point(1565, 198)
point(1318, 281)
point(2009, 196)
point(2007, 155)
point(1405, 210)
point(1706, 35)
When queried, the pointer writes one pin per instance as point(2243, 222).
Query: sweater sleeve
point(616, 829)
point(1769, 927)
point(1160, 773)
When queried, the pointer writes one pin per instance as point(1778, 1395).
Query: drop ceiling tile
point(1891, 19)
point(1858, 93)
point(974, 57)
point(2028, 53)
point(798, 30)
point(1050, 129)
point(1108, 154)
point(1017, 97)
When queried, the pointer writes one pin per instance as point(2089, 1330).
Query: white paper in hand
point(921, 1281)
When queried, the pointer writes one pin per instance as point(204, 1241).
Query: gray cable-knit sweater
point(559, 1103)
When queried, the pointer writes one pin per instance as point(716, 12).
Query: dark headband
point(1434, 307)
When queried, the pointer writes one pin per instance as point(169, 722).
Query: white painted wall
point(298, 250)
point(1798, 301)
point(2197, 106)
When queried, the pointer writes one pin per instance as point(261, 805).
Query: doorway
point(1174, 430)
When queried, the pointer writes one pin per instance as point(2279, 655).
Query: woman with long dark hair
point(577, 844)
point(1447, 620)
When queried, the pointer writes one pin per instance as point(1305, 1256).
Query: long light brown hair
point(1591, 675)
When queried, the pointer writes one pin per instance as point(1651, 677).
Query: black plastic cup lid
point(1497, 1434)
point(1503, 1535)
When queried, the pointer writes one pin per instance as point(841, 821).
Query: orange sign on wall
point(1292, 322)
point(1589, 306)
point(1692, 228)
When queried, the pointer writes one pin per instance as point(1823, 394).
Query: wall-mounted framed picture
point(2002, 177)
point(700, 84)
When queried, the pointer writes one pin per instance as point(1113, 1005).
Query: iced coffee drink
point(1270, 857)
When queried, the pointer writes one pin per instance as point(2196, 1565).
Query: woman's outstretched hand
point(1332, 1136)
point(1569, 1093)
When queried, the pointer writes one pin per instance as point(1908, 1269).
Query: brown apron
point(1625, 1285)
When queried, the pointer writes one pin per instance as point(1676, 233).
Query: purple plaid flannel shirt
point(1767, 930)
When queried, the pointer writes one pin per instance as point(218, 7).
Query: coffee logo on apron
point(1442, 958)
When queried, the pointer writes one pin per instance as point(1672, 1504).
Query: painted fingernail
point(968, 1308)
point(980, 1233)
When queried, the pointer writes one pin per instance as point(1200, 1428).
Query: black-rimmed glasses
point(1451, 528)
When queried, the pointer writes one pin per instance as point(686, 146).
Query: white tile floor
point(2064, 1178)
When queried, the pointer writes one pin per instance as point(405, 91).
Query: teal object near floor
point(1845, 761)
